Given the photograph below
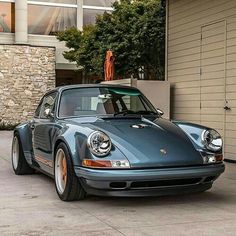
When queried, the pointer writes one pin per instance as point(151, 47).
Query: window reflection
point(7, 17)
point(47, 20)
point(100, 3)
point(58, 1)
point(90, 16)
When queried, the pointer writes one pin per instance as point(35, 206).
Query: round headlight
point(99, 143)
point(212, 140)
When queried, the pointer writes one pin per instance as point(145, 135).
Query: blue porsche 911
point(110, 141)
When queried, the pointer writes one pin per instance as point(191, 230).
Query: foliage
point(7, 126)
point(134, 31)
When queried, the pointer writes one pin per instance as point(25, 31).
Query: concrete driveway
point(29, 206)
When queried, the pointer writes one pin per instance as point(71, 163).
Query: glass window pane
point(58, 1)
point(89, 16)
point(7, 17)
point(100, 3)
point(47, 20)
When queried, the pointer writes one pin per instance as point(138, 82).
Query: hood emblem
point(163, 151)
point(139, 126)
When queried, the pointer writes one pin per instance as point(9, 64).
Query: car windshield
point(103, 101)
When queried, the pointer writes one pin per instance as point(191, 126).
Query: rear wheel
point(19, 163)
point(67, 183)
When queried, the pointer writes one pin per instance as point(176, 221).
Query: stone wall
point(26, 73)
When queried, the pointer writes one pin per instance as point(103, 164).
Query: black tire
point(73, 189)
point(21, 167)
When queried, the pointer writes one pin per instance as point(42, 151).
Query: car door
point(43, 132)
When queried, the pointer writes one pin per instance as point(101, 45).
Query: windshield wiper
point(124, 113)
point(132, 113)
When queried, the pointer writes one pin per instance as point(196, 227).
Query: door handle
point(227, 108)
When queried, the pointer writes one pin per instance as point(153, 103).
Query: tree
point(134, 31)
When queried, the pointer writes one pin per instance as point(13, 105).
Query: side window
point(48, 103)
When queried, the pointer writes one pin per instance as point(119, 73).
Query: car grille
point(164, 183)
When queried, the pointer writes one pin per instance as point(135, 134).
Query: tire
point(67, 183)
point(19, 163)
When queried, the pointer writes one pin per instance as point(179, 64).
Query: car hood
point(149, 143)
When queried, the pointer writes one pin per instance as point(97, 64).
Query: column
point(21, 22)
point(80, 14)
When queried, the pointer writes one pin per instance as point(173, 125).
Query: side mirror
point(48, 113)
point(160, 112)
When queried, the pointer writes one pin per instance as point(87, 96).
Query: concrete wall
point(26, 73)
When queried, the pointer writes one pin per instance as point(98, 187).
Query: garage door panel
point(213, 39)
point(213, 68)
point(213, 97)
point(209, 55)
point(208, 117)
point(209, 61)
point(230, 133)
point(231, 95)
point(213, 75)
point(212, 89)
point(212, 82)
point(214, 125)
point(209, 47)
point(213, 111)
point(231, 118)
point(230, 141)
point(230, 149)
point(212, 104)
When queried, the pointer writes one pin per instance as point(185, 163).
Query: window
point(48, 103)
point(100, 3)
point(52, 16)
point(91, 9)
point(56, 1)
point(7, 17)
point(90, 16)
point(103, 101)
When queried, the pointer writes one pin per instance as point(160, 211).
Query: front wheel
point(19, 163)
point(67, 183)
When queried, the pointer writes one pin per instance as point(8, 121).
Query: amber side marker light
point(219, 158)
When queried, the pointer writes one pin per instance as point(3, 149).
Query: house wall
point(26, 73)
point(201, 64)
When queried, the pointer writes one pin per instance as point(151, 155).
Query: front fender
point(194, 132)
point(76, 140)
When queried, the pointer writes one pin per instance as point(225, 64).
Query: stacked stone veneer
point(26, 73)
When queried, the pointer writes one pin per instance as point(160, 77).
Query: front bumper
point(148, 182)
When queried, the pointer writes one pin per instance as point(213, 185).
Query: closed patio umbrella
point(109, 67)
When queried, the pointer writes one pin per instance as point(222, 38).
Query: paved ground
point(29, 206)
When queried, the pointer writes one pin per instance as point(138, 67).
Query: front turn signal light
point(117, 164)
point(211, 159)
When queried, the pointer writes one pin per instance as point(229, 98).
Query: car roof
point(62, 88)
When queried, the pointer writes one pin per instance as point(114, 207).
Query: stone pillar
point(21, 22)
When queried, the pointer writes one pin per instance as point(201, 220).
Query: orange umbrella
point(109, 67)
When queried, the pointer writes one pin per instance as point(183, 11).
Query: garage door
point(217, 98)
point(212, 83)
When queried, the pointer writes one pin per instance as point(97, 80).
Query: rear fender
point(25, 134)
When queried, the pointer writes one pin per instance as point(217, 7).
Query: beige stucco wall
point(201, 64)
point(26, 73)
